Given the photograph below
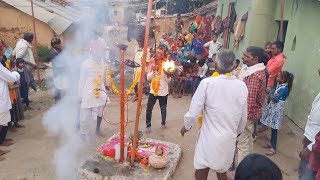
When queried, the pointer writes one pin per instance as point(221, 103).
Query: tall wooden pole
point(142, 78)
point(122, 48)
point(35, 43)
point(281, 21)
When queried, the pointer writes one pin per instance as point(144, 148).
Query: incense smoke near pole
point(62, 119)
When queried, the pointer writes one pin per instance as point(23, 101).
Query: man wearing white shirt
point(92, 89)
point(5, 105)
point(213, 46)
point(223, 101)
point(159, 90)
point(310, 132)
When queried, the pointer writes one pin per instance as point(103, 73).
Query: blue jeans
point(304, 172)
point(274, 137)
point(195, 83)
point(188, 84)
point(163, 108)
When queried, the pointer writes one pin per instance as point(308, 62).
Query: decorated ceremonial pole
point(122, 48)
point(35, 43)
point(142, 79)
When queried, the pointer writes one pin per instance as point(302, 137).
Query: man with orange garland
point(92, 89)
point(159, 90)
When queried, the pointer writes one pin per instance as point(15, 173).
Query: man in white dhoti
point(223, 100)
point(92, 89)
point(5, 104)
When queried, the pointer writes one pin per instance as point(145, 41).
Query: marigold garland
point(155, 82)
point(215, 74)
point(97, 82)
point(114, 88)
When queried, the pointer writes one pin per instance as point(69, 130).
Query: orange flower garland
point(97, 83)
point(114, 88)
point(155, 82)
point(215, 74)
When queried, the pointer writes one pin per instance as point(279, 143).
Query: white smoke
point(63, 118)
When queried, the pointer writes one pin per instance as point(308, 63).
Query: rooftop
point(58, 14)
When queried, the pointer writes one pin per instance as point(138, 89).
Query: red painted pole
point(142, 78)
point(35, 43)
point(122, 48)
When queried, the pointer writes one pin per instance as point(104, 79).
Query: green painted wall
point(303, 59)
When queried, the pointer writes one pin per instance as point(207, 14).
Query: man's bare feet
point(7, 143)
point(8, 139)
point(13, 129)
point(3, 152)
point(100, 133)
point(17, 125)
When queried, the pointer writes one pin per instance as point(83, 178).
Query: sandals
point(267, 146)
point(2, 152)
point(262, 129)
point(7, 143)
point(271, 152)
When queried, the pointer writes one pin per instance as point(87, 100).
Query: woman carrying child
point(273, 114)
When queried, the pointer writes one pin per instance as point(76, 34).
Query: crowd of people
point(231, 103)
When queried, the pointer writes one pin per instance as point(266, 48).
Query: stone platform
point(101, 168)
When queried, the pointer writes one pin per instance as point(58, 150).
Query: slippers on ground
point(7, 143)
point(2, 152)
point(271, 152)
point(267, 146)
point(262, 129)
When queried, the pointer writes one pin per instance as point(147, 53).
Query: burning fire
point(169, 66)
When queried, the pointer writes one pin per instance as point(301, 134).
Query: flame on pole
point(35, 42)
point(142, 78)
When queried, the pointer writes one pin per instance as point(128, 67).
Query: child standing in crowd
point(236, 69)
point(176, 80)
point(213, 46)
point(5, 105)
point(273, 114)
point(267, 48)
point(202, 71)
point(24, 87)
point(197, 46)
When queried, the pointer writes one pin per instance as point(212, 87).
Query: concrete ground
point(31, 157)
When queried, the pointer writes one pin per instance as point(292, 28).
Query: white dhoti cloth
point(5, 118)
point(88, 116)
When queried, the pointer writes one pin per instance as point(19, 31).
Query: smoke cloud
point(62, 119)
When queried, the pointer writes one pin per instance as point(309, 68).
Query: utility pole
point(35, 43)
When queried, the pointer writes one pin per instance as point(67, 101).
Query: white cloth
point(89, 72)
point(23, 50)
point(5, 118)
point(138, 58)
point(313, 123)
point(164, 81)
point(213, 47)
point(224, 103)
point(5, 77)
point(247, 71)
point(202, 71)
point(88, 116)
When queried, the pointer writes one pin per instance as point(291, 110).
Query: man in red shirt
point(276, 63)
point(253, 74)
